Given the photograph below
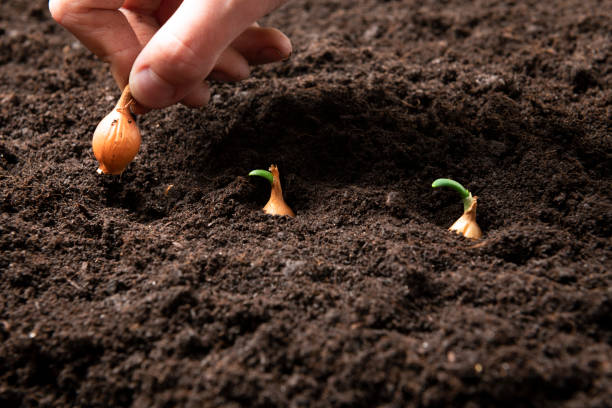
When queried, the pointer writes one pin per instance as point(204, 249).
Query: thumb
point(184, 50)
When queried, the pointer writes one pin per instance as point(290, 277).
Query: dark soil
point(167, 286)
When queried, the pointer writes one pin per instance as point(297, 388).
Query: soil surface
point(168, 286)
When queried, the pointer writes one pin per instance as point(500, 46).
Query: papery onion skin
point(276, 204)
point(466, 224)
point(116, 141)
point(275, 207)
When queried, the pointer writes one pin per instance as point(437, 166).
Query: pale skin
point(165, 49)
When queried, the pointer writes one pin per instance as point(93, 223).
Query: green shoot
point(263, 173)
point(466, 196)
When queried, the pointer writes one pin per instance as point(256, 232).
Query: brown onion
point(276, 204)
point(116, 139)
point(466, 224)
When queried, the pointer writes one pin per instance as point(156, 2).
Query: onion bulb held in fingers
point(116, 139)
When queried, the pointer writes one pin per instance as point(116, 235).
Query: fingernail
point(151, 90)
point(270, 54)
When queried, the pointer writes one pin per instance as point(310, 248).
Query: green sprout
point(466, 196)
point(263, 173)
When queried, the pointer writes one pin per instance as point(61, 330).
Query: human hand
point(166, 48)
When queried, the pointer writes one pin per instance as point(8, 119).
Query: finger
point(231, 66)
point(198, 97)
point(261, 45)
point(103, 29)
point(182, 53)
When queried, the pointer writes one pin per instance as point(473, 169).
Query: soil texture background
point(168, 286)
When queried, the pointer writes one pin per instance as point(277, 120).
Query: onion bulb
point(466, 224)
point(276, 204)
point(116, 139)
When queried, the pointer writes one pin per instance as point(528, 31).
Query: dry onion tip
point(276, 204)
point(116, 139)
point(466, 224)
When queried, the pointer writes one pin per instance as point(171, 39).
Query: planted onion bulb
point(116, 140)
point(276, 204)
point(466, 224)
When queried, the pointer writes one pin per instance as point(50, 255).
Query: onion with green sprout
point(466, 224)
point(276, 204)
